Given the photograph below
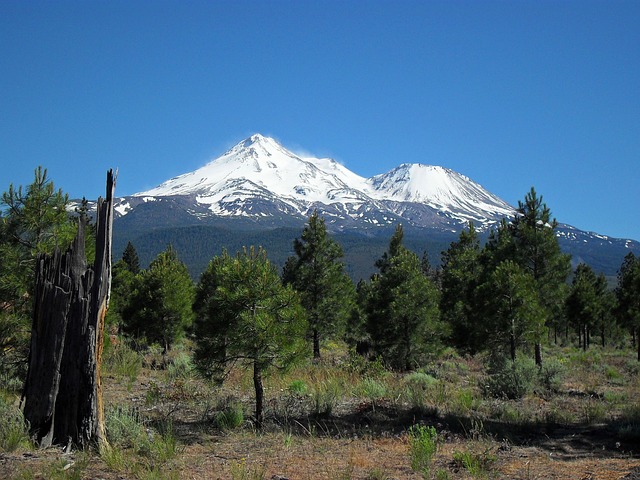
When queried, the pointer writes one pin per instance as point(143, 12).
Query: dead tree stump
point(63, 393)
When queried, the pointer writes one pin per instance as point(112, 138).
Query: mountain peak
point(256, 138)
point(259, 169)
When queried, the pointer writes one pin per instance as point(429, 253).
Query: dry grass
point(587, 430)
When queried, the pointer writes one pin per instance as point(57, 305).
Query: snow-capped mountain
point(259, 191)
point(259, 178)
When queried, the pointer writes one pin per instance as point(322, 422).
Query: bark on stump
point(63, 393)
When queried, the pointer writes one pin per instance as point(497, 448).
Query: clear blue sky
point(512, 94)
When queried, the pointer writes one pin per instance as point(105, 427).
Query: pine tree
point(583, 304)
point(33, 220)
point(536, 249)
point(402, 312)
point(317, 273)
point(159, 308)
point(130, 258)
point(460, 277)
point(356, 334)
point(628, 296)
point(246, 316)
point(512, 308)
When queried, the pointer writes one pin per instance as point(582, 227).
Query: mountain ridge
point(259, 168)
point(259, 185)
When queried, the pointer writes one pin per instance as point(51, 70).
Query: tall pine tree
point(402, 312)
point(245, 316)
point(460, 277)
point(318, 274)
point(628, 296)
point(537, 251)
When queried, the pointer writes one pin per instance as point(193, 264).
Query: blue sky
point(512, 94)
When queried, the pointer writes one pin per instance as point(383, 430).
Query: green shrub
point(464, 401)
point(298, 387)
point(231, 417)
point(477, 464)
point(372, 389)
point(13, 429)
point(364, 367)
point(512, 380)
point(180, 367)
point(125, 427)
point(122, 361)
point(423, 444)
point(551, 375)
point(417, 388)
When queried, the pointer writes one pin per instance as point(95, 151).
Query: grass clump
point(122, 361)
point(180, 367)
point(14, 434)
point(423, 445)
point(372, 389)
point(478, 465)
point(418, 387)
point(298, 387)
point(142, 449)
point(241, 471)
point(512, 380)
point(230, 417)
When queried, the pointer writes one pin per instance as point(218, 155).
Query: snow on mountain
point(259, 166)
point(259, 177)
point(440, 188)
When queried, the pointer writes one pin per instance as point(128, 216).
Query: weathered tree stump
point(63, 393)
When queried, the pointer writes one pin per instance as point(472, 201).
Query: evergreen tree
point(583, 304)
point(33, 220)
point(356, 334)
point(246, 316)
point(536, 249)
point(628, 296)
point(512, 308)
point(402, 312)
point(160, 306)
point(123, 282)
point(460, 277)
point(130, 258)
point(317, 273)
point(606, 321)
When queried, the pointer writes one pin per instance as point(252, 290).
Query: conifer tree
point(628, 296)
point(159, 308)
point(583, 304)
point(402, 312)
point(534, 246)
point(317, 273)
point(33, 220)
point(512, 308)
point(460, 277)
point(246, 316)
point(130, 258)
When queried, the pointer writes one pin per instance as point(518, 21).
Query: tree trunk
point(639, 348)
point(538, 354)
point(512, 341)
point(63, 393)
point(257, 384)
point(584, 337)
point(316, 344)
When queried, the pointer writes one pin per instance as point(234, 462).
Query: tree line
point(508, 296)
